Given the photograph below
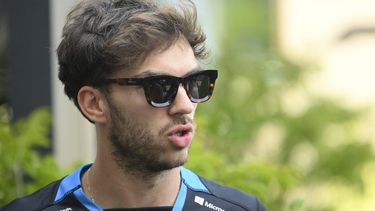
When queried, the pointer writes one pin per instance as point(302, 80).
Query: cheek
point(132, 102)
point(152, 119)
point(136, 97)
point(131, 99)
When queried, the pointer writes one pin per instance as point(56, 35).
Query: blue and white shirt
point(196, 193)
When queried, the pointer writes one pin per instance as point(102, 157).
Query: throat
point(134, 190)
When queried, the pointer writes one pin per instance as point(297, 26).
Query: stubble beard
point(136, 150)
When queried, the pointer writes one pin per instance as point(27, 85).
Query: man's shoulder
point(213, 195)
point(35, 201)
point(233, 195)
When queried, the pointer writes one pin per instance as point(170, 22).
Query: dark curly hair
point(103, 36)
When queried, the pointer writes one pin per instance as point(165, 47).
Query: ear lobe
point(90, 101)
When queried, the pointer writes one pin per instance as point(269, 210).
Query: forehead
point(177, 60)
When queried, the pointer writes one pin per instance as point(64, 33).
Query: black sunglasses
point(161, 90)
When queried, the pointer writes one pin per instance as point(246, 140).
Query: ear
point(91, 102)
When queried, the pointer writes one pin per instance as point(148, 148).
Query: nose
point(182, 103)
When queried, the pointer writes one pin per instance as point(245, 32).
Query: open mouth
point(181, 130)
point(181, 133)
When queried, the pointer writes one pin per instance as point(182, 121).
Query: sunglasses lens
point(162, 91)
point(200, 88)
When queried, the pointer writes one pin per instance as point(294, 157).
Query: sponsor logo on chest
point(201, 201)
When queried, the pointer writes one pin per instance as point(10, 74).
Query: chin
point(175, 161)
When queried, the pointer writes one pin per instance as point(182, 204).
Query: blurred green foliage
point(265, 180)
point(255, 134)
point(22, 167)
point(259, 94)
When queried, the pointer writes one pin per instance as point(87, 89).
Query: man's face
point(148, 139)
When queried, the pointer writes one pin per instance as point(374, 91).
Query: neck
point(125, 190)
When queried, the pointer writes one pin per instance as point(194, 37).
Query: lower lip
point(181, 141)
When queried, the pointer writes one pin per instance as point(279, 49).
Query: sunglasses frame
point(145, 82)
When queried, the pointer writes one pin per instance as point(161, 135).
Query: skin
point(114, 184)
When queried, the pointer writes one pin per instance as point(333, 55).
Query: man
point(131, 67)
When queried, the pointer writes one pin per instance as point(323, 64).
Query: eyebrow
point(148, 73)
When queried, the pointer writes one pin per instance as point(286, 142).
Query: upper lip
point(186, 128)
